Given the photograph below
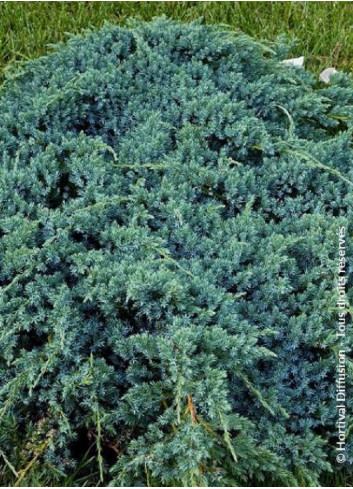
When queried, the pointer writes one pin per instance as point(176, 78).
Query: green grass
point(324, 29)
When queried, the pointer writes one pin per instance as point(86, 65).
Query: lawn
point(323, 29)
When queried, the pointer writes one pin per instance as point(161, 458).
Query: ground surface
point(324, 29)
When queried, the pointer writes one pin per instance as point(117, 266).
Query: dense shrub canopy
point(170, 200)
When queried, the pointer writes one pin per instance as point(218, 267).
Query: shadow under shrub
point(170, 201)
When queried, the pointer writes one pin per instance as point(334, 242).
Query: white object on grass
point(299, 62)
point(326, 74)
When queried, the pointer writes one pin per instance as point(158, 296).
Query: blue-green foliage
point(170, 200)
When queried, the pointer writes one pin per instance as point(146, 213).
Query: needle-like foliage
point(171, 197)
